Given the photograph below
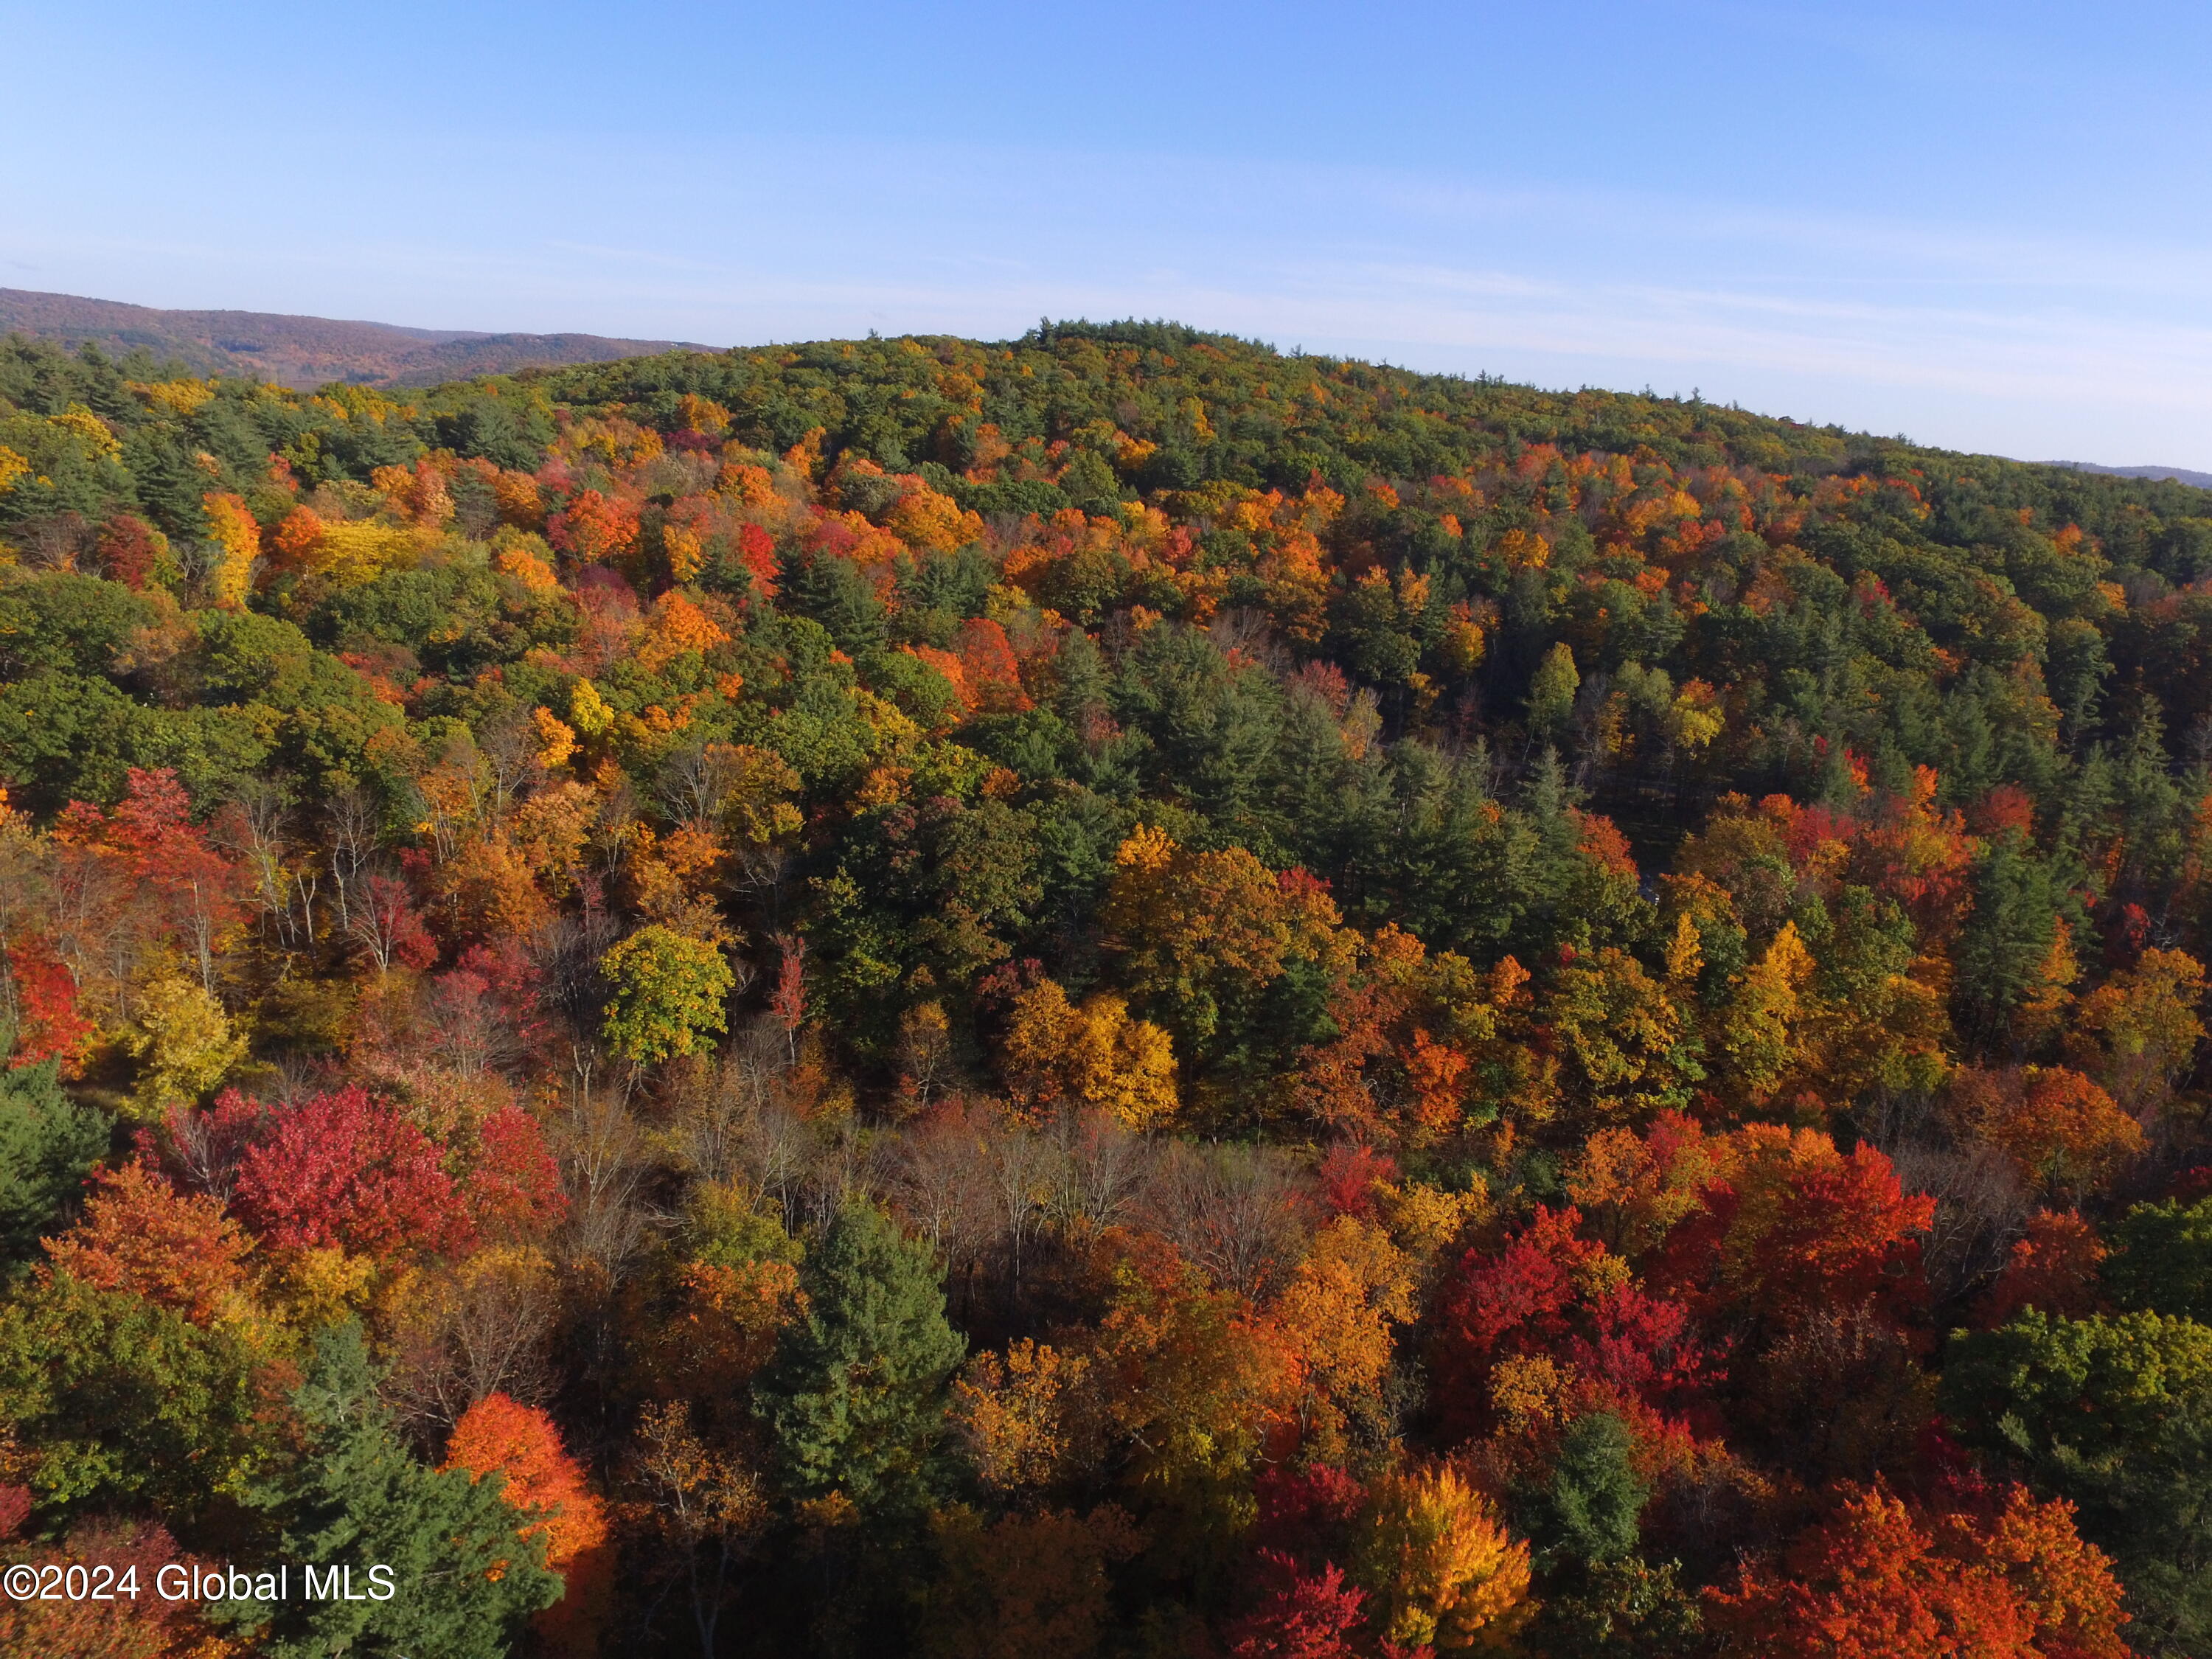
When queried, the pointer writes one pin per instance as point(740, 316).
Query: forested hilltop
point(304, 352)
point(1114, 994)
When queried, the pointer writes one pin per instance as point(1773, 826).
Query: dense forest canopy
point(1112, 994)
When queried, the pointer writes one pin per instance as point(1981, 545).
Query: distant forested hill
point(300, 352)
point(2178, 474)
point(1106, 994)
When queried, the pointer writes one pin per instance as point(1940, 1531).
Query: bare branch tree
point(1240, 1212)
point(604, 1160)
point(937, 1184)
point(478, 1329)
point(1023, 1170)
point(349, 819)
point(1103, 1167)
point(1980, 1209)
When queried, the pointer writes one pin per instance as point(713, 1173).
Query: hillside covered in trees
point(304, 352)
point(1114, 994)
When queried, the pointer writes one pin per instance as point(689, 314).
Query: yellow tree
point(1442, 1568)
point(1337, 1314)
point(1094, 1055)
point(1195, 929)
point(1193, 1383)
point(1618, 1032)
point(184, 1042)
point(237, 541)
point(1759, 1037)
point(2138, 1031)
point(1027, 1419)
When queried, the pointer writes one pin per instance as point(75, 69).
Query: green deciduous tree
point(668, 993)
point(1552, 693)
point(121, 1401)
point(2162, 1259)
point(2116, 1415)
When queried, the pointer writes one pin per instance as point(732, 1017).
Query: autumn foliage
point(1878, 1579)
point(1109, 993)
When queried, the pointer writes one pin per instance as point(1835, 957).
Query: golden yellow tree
point(1759, 1037)
point(2138, 1031)
point(1027, 1419)
point(1194, 926)
point(1093, 1055)
point(237, 541)
point(1442, 1570)
point(184, 1039)
point(1337, 1314)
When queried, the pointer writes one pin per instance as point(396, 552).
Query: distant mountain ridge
point(2178, 474)
point(303, 352)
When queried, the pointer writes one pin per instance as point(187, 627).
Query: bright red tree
point(48, 1024)
point(1302, 1615)
point(345, 1168)
point(2053, 1269)
point(514, 1190)
point(757, 548)
point(1547, 1291)
point(1793, 1226)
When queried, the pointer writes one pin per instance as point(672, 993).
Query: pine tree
point(1588, 1514)
point(47, 1144)
point(854, 1399)
point(465, 1578)
point(1083, 679)
point(2007, 935)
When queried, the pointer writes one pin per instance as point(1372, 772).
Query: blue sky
point(1980, 225)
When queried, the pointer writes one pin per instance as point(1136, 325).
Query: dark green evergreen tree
point(834, 592)
point(2162, 1260)
point(1601, 1596)
point(48, 1145)
point(1588, 1513)
point(854, 1401)
point(2007, 936)
point(463, 1579)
